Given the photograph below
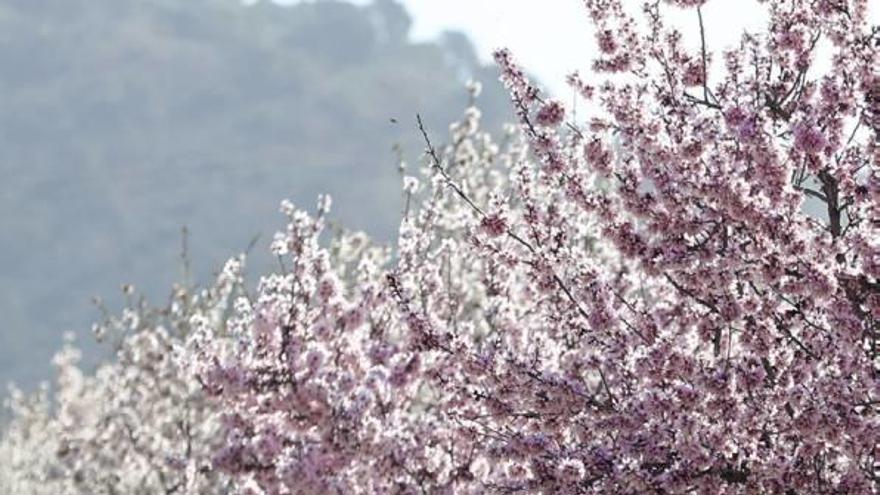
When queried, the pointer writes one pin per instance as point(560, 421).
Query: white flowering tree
point(140, 423)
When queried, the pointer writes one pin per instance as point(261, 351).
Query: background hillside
point(123, 120)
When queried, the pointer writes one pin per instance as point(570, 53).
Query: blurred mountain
point(123, 120)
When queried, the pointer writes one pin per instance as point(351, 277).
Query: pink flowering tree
point(677, 292)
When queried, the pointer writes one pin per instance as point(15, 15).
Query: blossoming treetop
point(636, 302)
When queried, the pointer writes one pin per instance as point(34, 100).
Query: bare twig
point(703, 51)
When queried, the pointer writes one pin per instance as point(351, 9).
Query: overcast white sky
point(552, 38)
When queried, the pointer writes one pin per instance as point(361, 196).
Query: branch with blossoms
point(658, 202)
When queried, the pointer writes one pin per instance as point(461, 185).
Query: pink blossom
point(808, 138)
point(493, 225)
point(551, 114)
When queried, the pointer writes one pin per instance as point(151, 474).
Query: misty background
point(121, 121)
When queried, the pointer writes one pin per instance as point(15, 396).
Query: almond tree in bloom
point(676, 290)
point(633, 301)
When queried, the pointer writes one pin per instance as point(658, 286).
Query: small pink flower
point(693, 74)
point(809, 139)
point(606, 40)
point(494, 225)
point(551, 114)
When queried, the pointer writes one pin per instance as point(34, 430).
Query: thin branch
point(436, 163)
point(607, 388)
point(712, 307)
point(703, 50)
point(811, 192)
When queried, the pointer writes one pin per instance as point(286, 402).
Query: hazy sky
point(551, 38)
